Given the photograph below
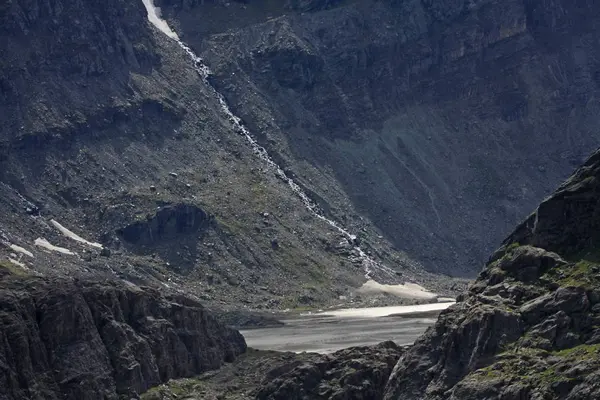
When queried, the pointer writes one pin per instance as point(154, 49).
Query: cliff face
point(443, 122)
point(529, 325)
point(75, 340)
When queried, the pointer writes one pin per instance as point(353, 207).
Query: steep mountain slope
point(108, 132)
point(443, 122)
point(529, 326)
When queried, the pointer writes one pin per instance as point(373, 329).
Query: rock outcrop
point(358, 373)
point(529, 326)
point(64, 339)
point(166, 225)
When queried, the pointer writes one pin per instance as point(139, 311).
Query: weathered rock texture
point(529, 326)
point(106, 127)
point(443, 122)
point(357, 373)
point(76, 340)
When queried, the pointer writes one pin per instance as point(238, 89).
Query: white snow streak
point(41, 242)
point(72, 235)
point(18, 263)
point(376, 312)
point(406, 291)
point(155, 18)
point(21, 250)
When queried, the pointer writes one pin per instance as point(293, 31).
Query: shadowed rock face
point(166, 225)
point(354, 373)
point(444, 122)
point(73, 340)
point(529, 325)
point(567, 222)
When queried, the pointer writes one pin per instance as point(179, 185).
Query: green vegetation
point(174, 389)
point(233, 226)
point(582, 352)
point(529, 365)
point(582, 273)
point(8, 268)
point(513, 246)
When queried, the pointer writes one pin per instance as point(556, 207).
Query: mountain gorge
point(295, 150)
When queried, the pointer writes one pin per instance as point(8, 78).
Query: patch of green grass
point(487, 374)
point(260, 195)
point(512, 246)
point(584, 351)
point(526, 365)
point(582, 273)
point(550, 376)
point(516, 370)
point(174, 389)
point(12, 269)
point(231, 226)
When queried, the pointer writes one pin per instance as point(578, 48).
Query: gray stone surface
point(78, 340)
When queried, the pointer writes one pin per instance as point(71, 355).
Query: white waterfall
point(368, 263)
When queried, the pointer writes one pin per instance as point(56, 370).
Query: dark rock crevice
point(169, 223)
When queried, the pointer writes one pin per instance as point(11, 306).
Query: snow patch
point(406, 291)
point(41, 242)
point(154, 16)
point(376, 312)
point(18, 263)
point(72, 235)
point(20, 250)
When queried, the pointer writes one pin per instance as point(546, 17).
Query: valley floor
point(332, 331)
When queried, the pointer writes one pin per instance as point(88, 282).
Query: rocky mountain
point(354, 373)
point(118, 161)
point(441, 122)
point(529, 326)
point(333, 141)
point(64, 339)
point(424, 129)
